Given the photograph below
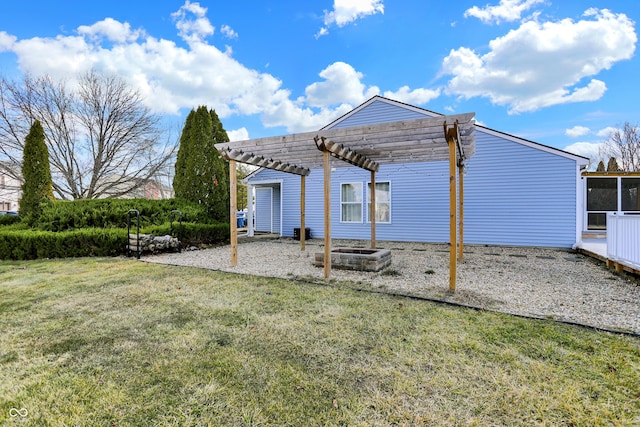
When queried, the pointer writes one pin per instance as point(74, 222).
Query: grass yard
point(113, 342)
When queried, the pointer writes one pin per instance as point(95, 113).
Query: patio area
point(534, 282)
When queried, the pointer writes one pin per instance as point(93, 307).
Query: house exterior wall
point(519, 195)
point(515, 194)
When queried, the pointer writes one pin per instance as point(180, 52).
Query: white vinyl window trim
point(351, 202)
point(383, 202)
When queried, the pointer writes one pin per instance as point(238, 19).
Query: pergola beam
point(346, 154)
point(405, 141)
point(260, 161)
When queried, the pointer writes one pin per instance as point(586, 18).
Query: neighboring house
point(517, 192)
point(148, 189)
point(154, 190)
point(10, 192)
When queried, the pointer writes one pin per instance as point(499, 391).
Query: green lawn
point(112, 342)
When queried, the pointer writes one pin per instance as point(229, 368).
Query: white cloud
point(192, 22)
point(241, 134)
point(342, 84)
point(418, 96)
point(347, 11)
point(111, 29)
point(228, 31)
point(506, 10)
point(590, 150)
point(169, 77)
point(6, 41)
point(604, 133)
point(577, 131)
point(542, 64)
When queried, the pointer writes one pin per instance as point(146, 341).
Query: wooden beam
point(345, 154)
point(255, 160)
point(327, 214)
point(461, 205)
point(302, 203)
point(452, 211)
point(232, 212)
point(373, 209)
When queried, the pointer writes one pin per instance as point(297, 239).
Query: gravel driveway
point(535, 282)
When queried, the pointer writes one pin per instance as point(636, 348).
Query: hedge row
point(62, 215)
point(9, 219)
point(193, 234)
point(33, 244)
point(36, 244)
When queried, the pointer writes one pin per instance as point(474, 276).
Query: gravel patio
point(534, 282)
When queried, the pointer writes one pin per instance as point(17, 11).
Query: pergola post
point(373, 209)
point(327, 214)
point(232, 212)
point(452, 212)
point(461, 204)
point(302, 204)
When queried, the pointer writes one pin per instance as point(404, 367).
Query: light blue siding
point(515, 194)
point(378, 112)
point(519, 195)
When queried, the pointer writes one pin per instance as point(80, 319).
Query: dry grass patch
point(119, 342)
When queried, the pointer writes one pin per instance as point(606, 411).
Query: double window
point(351, 202)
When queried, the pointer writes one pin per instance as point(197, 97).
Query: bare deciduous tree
point(623, 145)
point(102, 141)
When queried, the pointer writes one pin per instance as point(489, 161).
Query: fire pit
point(356, 259)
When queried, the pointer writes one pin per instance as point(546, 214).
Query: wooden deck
point(596, 247)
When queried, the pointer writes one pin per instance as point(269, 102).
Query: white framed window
point(351, 202)
point(383, 202)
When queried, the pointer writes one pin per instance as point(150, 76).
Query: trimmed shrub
point(82, 228)
point(193, 234)
point(30, 244)
point(9, 219)
point(16, 244)
point(112, 213)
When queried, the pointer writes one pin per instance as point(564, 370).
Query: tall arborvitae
point(612, 166)
point(600, 167)
point(180, 177)
point(36, 172)
point(201, 174)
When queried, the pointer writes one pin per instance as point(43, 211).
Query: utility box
point(296, 233)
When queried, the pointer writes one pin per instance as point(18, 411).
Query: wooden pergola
point(449, 138)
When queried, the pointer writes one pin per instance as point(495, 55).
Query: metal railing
point(179, 236)
point(137, 239)
point(623, 239)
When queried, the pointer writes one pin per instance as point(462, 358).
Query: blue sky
point(560, 73)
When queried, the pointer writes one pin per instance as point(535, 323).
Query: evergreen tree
point(201, 175)
point(612, 166)
point(600, 167)
point(36, 172)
